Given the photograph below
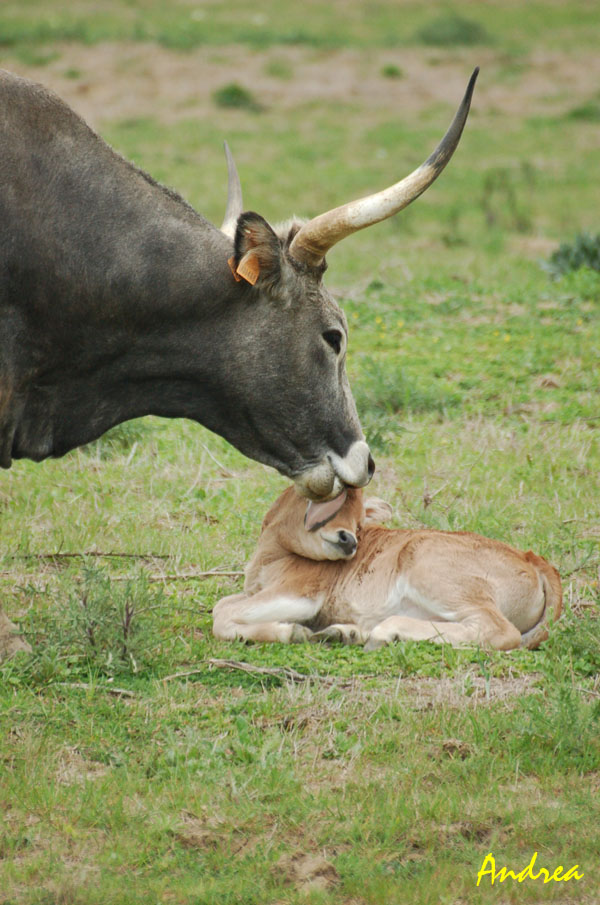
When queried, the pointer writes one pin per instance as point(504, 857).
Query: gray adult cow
point(118, 300)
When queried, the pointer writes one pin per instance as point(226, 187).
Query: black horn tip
point(471, 85)
point(444, 151)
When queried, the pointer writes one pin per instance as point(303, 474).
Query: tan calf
point(344, 577)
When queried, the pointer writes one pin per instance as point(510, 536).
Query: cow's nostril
point(343, 536)
point(371, 466)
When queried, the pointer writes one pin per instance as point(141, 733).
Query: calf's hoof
point(300, 634)
point(374, 643)
point(339, 634)
point(329, 635)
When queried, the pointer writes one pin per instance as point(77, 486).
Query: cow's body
point(355, 581)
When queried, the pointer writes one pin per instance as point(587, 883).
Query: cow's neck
point(102, 355)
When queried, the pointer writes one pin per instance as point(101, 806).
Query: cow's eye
point(334, 339)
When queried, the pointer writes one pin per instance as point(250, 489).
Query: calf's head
point(321, 531)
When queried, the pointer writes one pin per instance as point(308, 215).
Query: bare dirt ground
point(114, 81)
point(458, 693)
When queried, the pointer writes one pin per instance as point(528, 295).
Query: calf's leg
point(481, 628)
point(266, 616)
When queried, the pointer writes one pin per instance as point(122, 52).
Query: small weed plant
point(237, 97)
point(583, 251)
point(102, 626)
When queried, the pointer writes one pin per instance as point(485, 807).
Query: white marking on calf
point(283, 609)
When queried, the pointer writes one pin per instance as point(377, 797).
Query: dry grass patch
point(112, 81)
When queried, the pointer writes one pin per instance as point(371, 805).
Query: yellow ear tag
point(249, 268)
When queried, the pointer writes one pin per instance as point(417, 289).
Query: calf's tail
point(552, 588)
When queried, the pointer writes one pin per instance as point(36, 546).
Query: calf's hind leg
point(496, 632)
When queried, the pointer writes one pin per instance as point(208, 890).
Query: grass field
point(140, 760)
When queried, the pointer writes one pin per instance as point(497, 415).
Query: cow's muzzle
point(327, 479)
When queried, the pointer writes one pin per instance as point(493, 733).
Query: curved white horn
point(315, 238)
point(234, 196)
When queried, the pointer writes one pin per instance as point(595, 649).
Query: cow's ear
point(257, 250)
point(377, 511)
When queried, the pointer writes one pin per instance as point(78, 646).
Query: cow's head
point(289, 383)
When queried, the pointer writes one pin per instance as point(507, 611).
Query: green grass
point(388, 776)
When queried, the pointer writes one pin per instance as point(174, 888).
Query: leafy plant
point(583, 251)
point(391, 71)
point(587, 112)
point(237, 97)
point(101, 626)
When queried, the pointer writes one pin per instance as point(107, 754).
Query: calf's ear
point(318, 514)
point(377, 511)
point(257, 250)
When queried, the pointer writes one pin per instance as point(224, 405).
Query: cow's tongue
point(318, 514)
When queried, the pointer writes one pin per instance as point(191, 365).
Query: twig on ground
point(85, 686)
point(187, 576)
point(595, 694)
point(178, 576)
point(86, 553)
point(278, 672)
point(284, 672)
point(191, 576)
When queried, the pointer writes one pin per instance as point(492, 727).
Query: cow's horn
point(315, 238)
point(234, 196)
